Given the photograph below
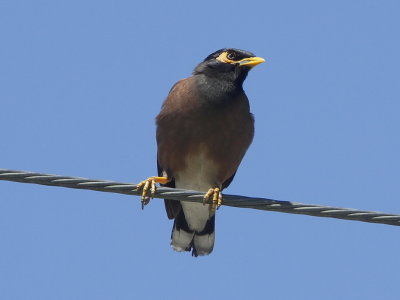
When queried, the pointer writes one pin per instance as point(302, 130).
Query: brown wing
point(172, 207)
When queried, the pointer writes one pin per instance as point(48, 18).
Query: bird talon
point(150, 184)
point(153, 188)
point(216, 199)
point(219, 200)
point(207, 195)
point(144, 202)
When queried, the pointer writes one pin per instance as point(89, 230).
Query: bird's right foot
point(150, 184)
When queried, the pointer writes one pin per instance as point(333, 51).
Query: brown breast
point(187, 128)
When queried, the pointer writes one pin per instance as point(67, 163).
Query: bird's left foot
point(216, 199)
point(150, 184)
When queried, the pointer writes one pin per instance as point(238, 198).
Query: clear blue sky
point(80, 85)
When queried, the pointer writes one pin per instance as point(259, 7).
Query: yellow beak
point(251, 61)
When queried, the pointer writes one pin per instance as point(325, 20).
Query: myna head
point(229, 65)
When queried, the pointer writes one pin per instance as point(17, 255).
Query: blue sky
point(81, 83)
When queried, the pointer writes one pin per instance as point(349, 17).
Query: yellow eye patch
point(248, 61)
point(224, 58)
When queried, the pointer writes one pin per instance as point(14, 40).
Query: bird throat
point(217, 90)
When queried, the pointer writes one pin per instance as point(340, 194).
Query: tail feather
point(185, 239)
point(203, 242)
point(181, 236)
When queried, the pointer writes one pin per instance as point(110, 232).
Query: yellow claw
point(216, 200)
point(150, 183)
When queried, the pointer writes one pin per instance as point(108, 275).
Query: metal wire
point(193, 196)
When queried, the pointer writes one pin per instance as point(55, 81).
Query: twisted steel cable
point(193, 196)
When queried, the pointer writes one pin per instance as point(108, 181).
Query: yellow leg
point(150, 183)
point(216, 199)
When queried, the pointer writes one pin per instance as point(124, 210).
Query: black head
point(228, 64)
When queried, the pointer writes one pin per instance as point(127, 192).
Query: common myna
point(203, 131)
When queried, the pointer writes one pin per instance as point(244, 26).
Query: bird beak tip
point(251, 61)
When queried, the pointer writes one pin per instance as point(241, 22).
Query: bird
point(203, 131)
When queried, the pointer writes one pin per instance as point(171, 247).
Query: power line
point(193, 196)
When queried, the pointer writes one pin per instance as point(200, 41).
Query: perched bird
point(203, 131)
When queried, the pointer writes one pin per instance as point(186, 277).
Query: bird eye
point(231, 55)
